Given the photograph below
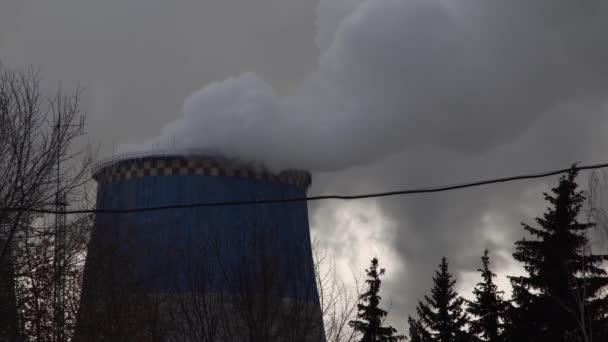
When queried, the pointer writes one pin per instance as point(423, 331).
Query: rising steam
point(393, 72)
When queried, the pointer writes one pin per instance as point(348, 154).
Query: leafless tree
point(273, 295)
point(196, 312)
point(265, 295)
point(119, 301)
point(338, 299)
point(596, 210)
point(37, 133)
point(582, 310)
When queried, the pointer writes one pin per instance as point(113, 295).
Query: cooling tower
point(198, 273)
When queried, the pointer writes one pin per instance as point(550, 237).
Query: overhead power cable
point(318, 198)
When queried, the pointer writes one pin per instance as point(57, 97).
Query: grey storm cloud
point(369, 94)
point(137, 60)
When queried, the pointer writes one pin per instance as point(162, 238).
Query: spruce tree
point(442, 317)
point(562, 275)
point(488, 306)
point(417, 332)
point(370, 315)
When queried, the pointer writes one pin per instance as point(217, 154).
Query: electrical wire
point(316, 198)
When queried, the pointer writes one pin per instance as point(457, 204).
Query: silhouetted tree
point(8, 305)
point(442, 317)
point(556, 300)
point(597, 212)
point(488, 306)
point(370, 315)
point(337, 299)
point(39, 274)
point(417, 332)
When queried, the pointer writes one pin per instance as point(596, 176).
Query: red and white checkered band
point(137, 168)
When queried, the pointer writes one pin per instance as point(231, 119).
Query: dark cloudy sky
point(371, 95)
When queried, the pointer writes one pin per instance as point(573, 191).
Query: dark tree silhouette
point(417, 332)
point(8, 305)
point(488, 306)
point(370, 315)
point(556, 300)
point(442, 317)
point(39, 263)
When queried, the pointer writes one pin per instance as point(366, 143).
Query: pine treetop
point(561, 272)
point(488, 305)
point(370, 315)
point(441, 316)
point(558, 256)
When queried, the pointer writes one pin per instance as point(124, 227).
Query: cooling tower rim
point(214, 164)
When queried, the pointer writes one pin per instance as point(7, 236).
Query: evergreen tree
point(417, 332)
point(488, 306)
point(563, 277)
point(370, 315)
point(442, 317)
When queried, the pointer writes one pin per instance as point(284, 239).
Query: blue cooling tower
point(237, 256)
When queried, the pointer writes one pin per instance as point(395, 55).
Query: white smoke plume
point(392, 72)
